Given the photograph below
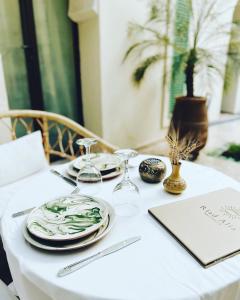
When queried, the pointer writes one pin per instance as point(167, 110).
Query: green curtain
point(181, 27)
point(11, 49)
point(55, 51)
point(55, 48)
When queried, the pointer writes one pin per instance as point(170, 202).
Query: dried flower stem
point(180, 148)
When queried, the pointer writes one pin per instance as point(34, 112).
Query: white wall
point(113, 107)
point(213, 88)
point(131, 116)
point(231, 97)
point(91, 75)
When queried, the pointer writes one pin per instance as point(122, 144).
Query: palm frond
point(208, 28)
point(209, 60)
point(154, 10)
point(134, 29)
point(157, 34)
point(158, 11)
point(140, 71)
point(139, 46)
point(212, 15)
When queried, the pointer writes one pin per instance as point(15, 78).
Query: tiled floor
point(225, 131)
point(219, 136)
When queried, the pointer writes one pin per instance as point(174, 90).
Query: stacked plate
point(69, 222)
point(108, 164)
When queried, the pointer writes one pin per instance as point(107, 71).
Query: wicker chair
point(59, 132)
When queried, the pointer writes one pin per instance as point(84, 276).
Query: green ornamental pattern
point(181, 40)
point(66, 216)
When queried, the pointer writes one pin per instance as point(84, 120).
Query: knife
point(70, 181)
point(83, 262)
point(22, 212)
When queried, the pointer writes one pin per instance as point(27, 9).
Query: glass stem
point(88, 160)
point(126, 173)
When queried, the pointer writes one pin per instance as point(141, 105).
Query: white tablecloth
point(157, 267)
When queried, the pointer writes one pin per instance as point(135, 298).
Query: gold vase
point(175, 184)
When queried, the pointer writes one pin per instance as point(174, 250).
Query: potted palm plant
point(205, 55)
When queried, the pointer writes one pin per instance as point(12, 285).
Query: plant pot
point(190, 117)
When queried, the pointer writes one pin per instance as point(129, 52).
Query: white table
point(157, 267)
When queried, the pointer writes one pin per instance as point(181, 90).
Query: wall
point(131, 116)
point(213, 87)
point(231, 97)
point(113, 107)
point(90, 75)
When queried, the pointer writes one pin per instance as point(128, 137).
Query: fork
point(28, 210)
point(75, 191)
point(65, 178)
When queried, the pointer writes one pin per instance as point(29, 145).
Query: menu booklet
point(208, 226)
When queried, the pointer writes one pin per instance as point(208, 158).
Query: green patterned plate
point(67, 218)
point(104, 162)
point(74, 244)
point(116, 172)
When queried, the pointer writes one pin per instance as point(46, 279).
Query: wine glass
point(126, 196)
point(89, 178)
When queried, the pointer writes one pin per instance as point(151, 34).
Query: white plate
point(102, 161)
point(76, 244)
point(67, 218)
point(73, 173)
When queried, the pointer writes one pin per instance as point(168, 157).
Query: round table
point(157, 267)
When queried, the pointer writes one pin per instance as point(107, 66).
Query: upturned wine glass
point(89, 178)
point(126, 196)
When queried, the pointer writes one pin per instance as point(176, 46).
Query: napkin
point(21, 158)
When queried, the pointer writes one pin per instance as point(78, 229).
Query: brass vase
point(175, 184)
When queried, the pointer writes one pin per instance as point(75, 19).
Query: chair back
point(59, 132)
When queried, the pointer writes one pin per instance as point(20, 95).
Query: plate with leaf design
point(116, 172)
point(67, 218)
point(104, 162)
point(76, 243)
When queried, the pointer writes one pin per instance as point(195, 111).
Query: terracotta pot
point(190, 116)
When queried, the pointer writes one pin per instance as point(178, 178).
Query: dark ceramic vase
point(152, 170)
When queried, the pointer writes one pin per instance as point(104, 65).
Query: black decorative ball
point(152, 170)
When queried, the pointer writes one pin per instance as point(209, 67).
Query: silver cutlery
point(83, 262)
point(69, 180)
point(28, 210)
point(22, 212)
point(75, 191)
